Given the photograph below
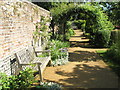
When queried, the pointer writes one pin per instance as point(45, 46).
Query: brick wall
point(16, 29)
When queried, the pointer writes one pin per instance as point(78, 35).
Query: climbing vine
point(42, 28)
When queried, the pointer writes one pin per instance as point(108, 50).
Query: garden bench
point(28, 57)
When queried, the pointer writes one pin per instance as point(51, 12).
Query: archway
point(97, 23)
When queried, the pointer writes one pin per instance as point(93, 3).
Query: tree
point(112, 9)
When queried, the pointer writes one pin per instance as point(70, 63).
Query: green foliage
point(24, 81)
point(115, 36)
point(115, 17)
point(113, 11)
point(49, 5)
point(43, 55)
point(80, 24)
point(55, 46)
point(3, 81)
point(97, 23)
point(21, 81)
point(69, 31)
point(113, 54)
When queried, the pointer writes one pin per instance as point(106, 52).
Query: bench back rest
point(31, 51)
point(25, 56)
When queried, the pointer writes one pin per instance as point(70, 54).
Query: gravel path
point(85, 69)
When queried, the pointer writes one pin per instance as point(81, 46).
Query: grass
point(111, 63)
point(101, 51)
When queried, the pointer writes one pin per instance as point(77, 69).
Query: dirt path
point(85, 69)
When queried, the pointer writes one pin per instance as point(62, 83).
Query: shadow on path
point(88, 76)
point(79, 56)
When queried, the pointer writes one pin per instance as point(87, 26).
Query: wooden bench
point(27, 57)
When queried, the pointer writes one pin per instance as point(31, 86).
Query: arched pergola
point(97, 23)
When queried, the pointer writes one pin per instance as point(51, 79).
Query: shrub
point(115, 35)
point(114, 51)
point(24, 81)
point(3, 81)
point(102, 38)
point(21, 81)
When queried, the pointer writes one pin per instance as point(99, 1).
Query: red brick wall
point(16, 30)
point(17, 25)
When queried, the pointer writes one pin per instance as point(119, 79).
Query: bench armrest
point(31, 63)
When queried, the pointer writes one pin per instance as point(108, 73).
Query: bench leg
point(40, 74)
point(20, 66)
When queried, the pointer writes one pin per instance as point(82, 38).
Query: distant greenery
point(68, 32)
point(80, 24)
point(113, 11)
point(49, 5)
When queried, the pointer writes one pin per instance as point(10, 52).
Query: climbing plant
point(97, 23)
point(42, 28)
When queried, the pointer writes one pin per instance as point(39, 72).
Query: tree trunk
point(64, 36)
point(53, 31)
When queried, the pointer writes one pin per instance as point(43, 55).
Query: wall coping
point(26, 1)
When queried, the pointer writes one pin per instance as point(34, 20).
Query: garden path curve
point(85, 69)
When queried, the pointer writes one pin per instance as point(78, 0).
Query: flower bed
point(59, 52)
point(62, 58)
